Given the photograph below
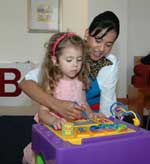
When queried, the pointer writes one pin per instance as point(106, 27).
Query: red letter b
point(3, 81)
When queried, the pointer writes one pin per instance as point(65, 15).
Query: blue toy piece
point(114, 106)
point(85, 115)
point(96, 128)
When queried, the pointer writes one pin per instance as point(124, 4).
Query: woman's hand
point(69, 110)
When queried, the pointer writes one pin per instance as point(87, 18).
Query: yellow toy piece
point(68, 129)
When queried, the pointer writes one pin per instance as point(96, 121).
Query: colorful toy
point(121, 112)
point(79, 140)
point(124, 148)
point(76, 131)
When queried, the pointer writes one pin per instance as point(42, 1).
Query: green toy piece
point(39, 159)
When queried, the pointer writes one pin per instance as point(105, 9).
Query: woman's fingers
point(73, 111)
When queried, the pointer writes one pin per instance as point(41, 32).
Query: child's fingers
point(91, 115)
point(57, 124)
point(84, 107)
point(63, 120)
point(100, 115)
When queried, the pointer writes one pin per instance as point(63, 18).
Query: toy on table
point(121, 112)
point(75, 132)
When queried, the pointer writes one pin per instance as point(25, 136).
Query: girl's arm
point(50, 118)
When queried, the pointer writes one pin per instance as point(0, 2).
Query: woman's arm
point(68, 110)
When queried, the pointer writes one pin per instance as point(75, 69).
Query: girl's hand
point(91, 114)
point(57, 123)
point(99, 115)
point(88, 113)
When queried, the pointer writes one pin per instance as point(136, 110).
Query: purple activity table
point(129, 148)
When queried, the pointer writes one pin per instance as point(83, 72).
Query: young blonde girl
point(63, 75)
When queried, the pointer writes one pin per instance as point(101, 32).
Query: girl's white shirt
point(107, 80)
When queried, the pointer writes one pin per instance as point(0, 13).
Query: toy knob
point(136, 122)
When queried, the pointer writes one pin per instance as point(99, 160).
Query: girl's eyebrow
point(74, 56)
point(69, 56)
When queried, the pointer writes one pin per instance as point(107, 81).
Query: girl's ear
point(54, 60)
point(86, 34)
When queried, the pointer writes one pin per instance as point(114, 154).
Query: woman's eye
point(98, 40)
point(109, 45)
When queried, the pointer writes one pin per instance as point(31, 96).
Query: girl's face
point(70, 62)
point(100, 47)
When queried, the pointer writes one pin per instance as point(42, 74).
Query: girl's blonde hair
point(51, 73)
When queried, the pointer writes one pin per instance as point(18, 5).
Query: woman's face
point(101, 46)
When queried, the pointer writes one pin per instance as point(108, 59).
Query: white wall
point(19, 45)
point(75, 15)
point(120, 48)
point(16, 43)
point(138, 32)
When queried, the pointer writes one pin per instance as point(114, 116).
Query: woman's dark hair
point(105, 21)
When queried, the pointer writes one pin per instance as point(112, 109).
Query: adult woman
point(100, 37)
